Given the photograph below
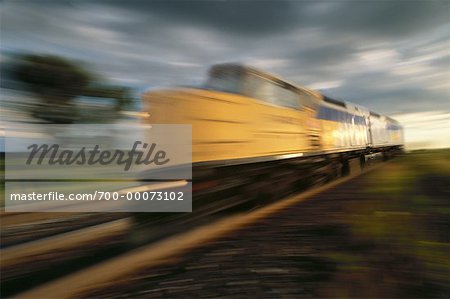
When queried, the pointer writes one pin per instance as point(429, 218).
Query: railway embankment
point(382, 234)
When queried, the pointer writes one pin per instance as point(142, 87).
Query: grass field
point(384, 234)
point(380, 235)
point(403, 230)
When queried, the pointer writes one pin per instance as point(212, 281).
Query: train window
point(329, 115)
point(286, 97)
point(226, 79)
point(345, 117)
point(321, 113)
point(324, 113)
point(349, 118)
point(268, 91)
point(393, 127)
point(359, 120)
point(338, 116)
point(256, 87)
point(306, 99)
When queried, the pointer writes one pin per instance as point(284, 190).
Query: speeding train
point(256, 134)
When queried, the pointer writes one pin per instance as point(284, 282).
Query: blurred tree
point(124, 98)
point(55, 81)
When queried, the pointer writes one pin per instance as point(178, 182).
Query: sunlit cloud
point(379, 59)
point(429, 129)
point(183, 64)
point(267, 63)
point(325, 85)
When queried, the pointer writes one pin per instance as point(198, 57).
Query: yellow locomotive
point(243, 115)
point(257, 138)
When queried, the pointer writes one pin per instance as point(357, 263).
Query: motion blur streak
point(356, 82)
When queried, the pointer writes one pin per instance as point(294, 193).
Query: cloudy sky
point(390, 56)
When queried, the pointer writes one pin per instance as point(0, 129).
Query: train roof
point(278, 79)
point(333, 101)
point(264, 74)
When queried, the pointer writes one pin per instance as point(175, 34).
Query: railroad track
point(126, 262)
point(19, 228)
point(34, 262)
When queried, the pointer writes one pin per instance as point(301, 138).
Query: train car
point(344, 126)
point(255, 135)
point(240, 114)
point(243, 115)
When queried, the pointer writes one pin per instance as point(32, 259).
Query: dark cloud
point(241, 17)
point(387, 55)
point(388, 18)
point(261, 18)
